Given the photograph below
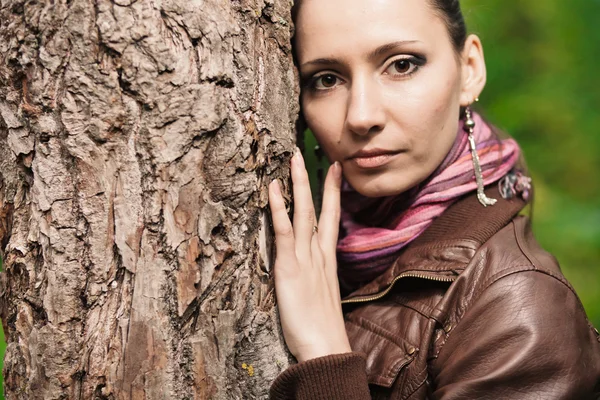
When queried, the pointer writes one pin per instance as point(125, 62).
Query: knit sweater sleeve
point(333, 377)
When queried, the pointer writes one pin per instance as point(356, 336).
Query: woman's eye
point(326, 81)
point(403, 66)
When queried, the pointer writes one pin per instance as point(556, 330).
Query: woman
point(451, 297)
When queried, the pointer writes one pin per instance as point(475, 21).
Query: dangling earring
point(469, 127)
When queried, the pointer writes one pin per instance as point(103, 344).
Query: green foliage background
point(544, 89)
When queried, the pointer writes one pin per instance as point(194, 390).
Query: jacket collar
point(445, 248)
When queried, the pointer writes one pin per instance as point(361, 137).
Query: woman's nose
point(365, 113)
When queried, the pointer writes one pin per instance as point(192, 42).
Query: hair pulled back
point(455, 21)
point(449, 10)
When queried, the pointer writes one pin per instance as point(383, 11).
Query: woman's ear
point(473, 70)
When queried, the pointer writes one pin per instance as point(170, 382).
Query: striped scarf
point(366, 249)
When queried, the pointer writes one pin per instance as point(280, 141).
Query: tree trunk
point(137, 140)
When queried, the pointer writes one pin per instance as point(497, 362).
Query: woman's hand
point(306, 280)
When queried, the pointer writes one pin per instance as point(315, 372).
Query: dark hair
point(449, 10)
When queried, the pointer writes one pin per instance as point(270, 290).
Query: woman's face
point(382, 77)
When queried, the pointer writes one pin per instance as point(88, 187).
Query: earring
point(469, 127)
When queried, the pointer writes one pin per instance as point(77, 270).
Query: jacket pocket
point(387, 354)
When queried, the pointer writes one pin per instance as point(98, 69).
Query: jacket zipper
point(391, 285)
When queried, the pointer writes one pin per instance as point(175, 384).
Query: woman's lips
point(373, 161)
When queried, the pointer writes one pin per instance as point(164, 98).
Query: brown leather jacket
point(473, 309)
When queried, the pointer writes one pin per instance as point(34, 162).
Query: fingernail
point(337, 169)
point(274, 185)
point(297, 153)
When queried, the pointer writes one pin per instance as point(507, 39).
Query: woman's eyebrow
point(371, 56)
point(386, 48)
point(321, 61)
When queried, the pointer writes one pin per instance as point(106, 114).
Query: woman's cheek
point(324, 121)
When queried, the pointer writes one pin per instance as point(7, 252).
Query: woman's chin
point(380, 186)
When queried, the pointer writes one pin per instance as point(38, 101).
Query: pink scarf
point(365, 250)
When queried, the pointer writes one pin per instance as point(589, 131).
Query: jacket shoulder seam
point(522, 268)
point(532, 264)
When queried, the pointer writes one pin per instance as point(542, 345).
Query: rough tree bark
point(137, 140)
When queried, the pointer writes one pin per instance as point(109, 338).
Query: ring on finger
point(315, 229)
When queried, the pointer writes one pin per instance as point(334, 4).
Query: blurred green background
point(544, 89)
